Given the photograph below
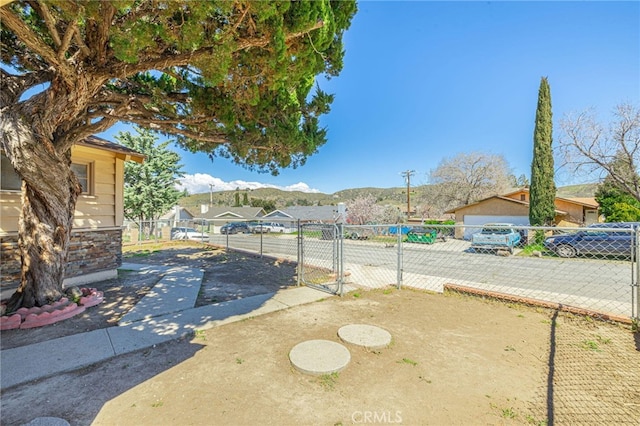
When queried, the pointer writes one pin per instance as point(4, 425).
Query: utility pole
point(211, 195)
point(407, 176)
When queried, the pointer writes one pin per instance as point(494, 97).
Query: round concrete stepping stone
point(319, 357)
point(369, 336)
point(47, 421)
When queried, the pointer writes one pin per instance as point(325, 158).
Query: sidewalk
point(167, 312)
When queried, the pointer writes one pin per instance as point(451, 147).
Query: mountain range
point(384, 196)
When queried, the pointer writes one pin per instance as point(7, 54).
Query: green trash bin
point(422, 236)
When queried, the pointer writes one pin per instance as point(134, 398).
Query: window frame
point(90, 176)
point(90, 186)
point(4, 172)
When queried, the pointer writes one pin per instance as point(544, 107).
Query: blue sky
point(424, 81)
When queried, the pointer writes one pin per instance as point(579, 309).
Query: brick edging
point(536, 302)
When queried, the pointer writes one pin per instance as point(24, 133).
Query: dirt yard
point(454, 359)
point(227, 276)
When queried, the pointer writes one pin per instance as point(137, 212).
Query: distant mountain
point(584, 190)
point(384, 196)
point(281, 199)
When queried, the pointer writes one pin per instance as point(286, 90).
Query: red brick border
point(536, 302)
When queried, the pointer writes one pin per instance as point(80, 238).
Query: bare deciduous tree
point(587, 147)
point(469, 177)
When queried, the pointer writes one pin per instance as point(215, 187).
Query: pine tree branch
point(50, 22)
point(160, 125)
point(66, 41)
point(31, 39)
point(162, 62)
point(13, 86)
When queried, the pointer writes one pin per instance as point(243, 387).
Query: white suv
point(188, 234)
point(275, 227)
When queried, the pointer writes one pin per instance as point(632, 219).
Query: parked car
point(275, 227)
point(596, 239)
point(235, 228)
point(258, 228)
point(496, 236)
point(183, 233)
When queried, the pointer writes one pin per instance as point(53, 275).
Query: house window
point(523, 197)
point(10, 181)
point(83, 173)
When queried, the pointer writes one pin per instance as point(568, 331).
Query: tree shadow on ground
point(78, 396)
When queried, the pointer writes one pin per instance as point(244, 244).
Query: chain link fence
point(243, 235)
point(586, 270)
point(590, 269)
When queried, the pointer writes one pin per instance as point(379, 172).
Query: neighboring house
point(95, 250)
point(513, 207)
point(305, 214)
point(216, 217)
point(176, 215)
point(218, 214)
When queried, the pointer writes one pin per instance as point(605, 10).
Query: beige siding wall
point(494, 206)
point(95, 210)
point(9, 210)
point(574, 211)
point(519, 196)
point(119, 195)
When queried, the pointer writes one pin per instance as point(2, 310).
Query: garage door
point(481, 220)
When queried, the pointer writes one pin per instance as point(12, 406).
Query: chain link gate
point(321, 257)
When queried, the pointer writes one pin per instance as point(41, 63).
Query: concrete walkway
point(164, 314)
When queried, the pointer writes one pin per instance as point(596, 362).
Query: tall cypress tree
point(542, 192)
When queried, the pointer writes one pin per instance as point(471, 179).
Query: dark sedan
point(234, 228)
point(609, 239)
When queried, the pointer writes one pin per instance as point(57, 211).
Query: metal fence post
point(635, 288)
point(400, 266)
point(340, 241)
point(299, 253)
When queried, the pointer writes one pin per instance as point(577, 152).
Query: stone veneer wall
point(90, 251)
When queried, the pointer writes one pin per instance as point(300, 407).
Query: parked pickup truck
point(496, 236)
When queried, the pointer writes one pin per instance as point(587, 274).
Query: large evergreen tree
point(230, 78)
point(542, 191)
point(150, 187)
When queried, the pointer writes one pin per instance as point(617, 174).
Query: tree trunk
point(49, 194)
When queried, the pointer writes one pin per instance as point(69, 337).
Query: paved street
point(598, 284)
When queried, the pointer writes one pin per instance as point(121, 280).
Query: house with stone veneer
point(95, 250)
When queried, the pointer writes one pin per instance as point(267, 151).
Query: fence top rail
point(613, 227)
